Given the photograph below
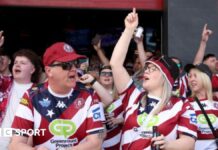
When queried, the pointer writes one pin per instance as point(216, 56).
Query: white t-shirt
point(16, 93)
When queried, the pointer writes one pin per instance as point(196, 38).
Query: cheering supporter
point(174, 117)
point(25, 72)
point(66, 116)
point(199, 79)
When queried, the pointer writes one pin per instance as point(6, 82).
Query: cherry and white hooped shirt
point(177, 118)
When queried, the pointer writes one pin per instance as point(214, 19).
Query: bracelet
point(93, 81)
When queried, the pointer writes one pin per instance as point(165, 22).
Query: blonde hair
point(165, 96)
point(206, 83)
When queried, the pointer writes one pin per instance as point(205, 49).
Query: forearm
point(141, 53)
point(200, 53)
point(102, 57)
point(121, 48)
point(20, 146)
point(105, 96)
point(180, 144)
point(88, 145)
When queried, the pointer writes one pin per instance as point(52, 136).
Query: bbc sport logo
point(8, 132)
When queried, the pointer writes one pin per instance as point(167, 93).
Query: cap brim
point(70, 57)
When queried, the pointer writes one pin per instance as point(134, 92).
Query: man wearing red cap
point(60, 115)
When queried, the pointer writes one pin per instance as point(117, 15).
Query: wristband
point(93, 81)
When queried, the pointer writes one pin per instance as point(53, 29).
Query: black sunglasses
point(66, 65)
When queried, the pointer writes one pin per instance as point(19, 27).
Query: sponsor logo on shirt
point(79, 103)
point(96, 110)
point(45, 102)
point(152, 122)
point(201, 119)
point(110, 108)
point(193, 119)
point(24, 101)
point(61, 127)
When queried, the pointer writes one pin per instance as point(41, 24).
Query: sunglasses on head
point(106, 74)
point(66, 65)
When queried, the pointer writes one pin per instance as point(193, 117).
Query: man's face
point(62, 75)
point(211, 63)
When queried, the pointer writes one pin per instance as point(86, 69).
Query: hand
point(139, 40)
point(42, 148)
point(97, 46)
point(2, 38)
point(131, 20)
point(86, 78)
point(160, 140)
point(206, 33)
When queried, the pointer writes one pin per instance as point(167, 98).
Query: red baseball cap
point(61, 52)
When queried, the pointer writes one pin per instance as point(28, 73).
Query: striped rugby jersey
point(177, 118)
point(66, 121)
point(112, 140)
point(205, 136)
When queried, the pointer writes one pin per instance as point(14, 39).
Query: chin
point(71, 85)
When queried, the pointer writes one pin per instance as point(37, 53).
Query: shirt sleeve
point(187, 122)
point(23, 119)
point(95, 117)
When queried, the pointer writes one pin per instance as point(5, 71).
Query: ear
point(9, 61)
point(48, 71)
point(33, 69)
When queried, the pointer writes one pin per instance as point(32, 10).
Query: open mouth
point(107, 80)
point(146, 78)
point(17, 70)
point(72, 76)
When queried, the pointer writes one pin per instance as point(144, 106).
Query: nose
point(73, 67)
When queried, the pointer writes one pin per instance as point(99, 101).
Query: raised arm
point(141, 50)
point(2, 38)
point(120, 74)
point(105, 96)
point(100, 53)
point(201, 51)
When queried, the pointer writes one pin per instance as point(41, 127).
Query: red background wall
point(101, 4)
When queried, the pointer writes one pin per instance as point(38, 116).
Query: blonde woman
point(199, 79)
point(155, 107)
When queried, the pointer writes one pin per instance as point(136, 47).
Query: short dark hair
point(208, 56)
point(34, 59)
point(180, 62)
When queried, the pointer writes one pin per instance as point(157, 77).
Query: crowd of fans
point(105, 103)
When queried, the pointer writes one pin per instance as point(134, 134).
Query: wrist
point(93, 81)
point(129, 31)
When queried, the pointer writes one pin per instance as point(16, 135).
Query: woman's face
point(152, 78)
point(194, 81)
point(106, 77)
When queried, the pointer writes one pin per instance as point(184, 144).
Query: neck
point(156, 92)
point(5, 72)
point(108, 87)
point(23, 81)
point(201, 94)
point(58, 89)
